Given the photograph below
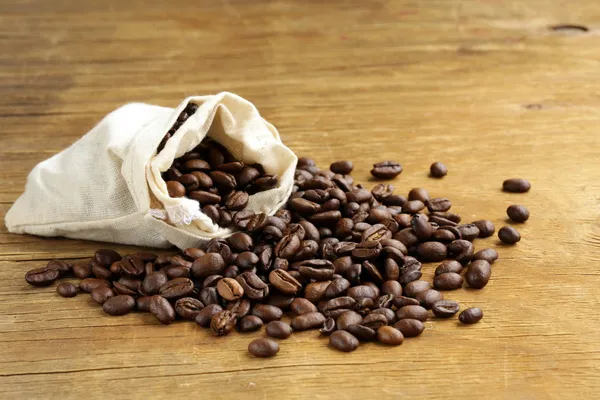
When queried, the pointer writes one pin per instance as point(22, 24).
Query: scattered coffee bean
point(343, 341)
point(486, 227)
point(445, 308)
point(412, 312)
point(517, 213)
point(342, 167)
point(223, 322)
point(119, 305)
point(516, 185)
point(478, 274)
point(101, 294)
point(428, 298)
point(470, 315)
point(205, 315)
point(410, 327)
point(449, 266)
point(188, 307)
point(386, 170)
point(161, 309)
point(489, 255)
point(509, 235)
point(66, 289)
point(278, 329)
point(263, 347)
point(438, 170)
point(250, 323)
point(312, 320)
point(390, 336)
point(448, 281)
point(43, 276)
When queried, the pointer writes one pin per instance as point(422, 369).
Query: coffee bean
point(448, 281)
point(246, 176)
point(320, 270)
point(415, 287)
point(188, 307)
point(432, 251)
point(448, 266)
point(208, 264)
point(366, 250)
point(175, 189)
point(304, 206)
point(478, 274)
point(438, 170)
point(209, 295)
point(161, 309)
point(288, 246)
point(240, 308)
point(250, 323)
point(264, 183)
point(410, 327)
point(445, 308)
point(315, 291)
point(196, 165)
point(176, 288)
point(43, 276)
point(421, 227)
point(119, 305)
point(267, 312)
point(509, 235)
point(428, 298)
point(101, 294)
point(240, 241)
point(412, 312)
point(223, 322)
point(82, 270)
point(241, 219)
point(337, 287)
point(517, 213)
point(343, 341)
point(278, 329)
point(468, 231)
point(391, 269)
point(489, 255)
point(342, 167)
point(302, 306)
point(374, 320)
point(386, 170)
point(205, 315)
point(391, 287)
point(152, 283)
point(362, 333)
point(516, 185)
point(230, 289)
point(328, 327)
point(106, 257)
point(401, 301)
point(89, 284)
point(66, 289)
point(61, 266)
point(348, 318)
point(413, 206)
point(327, 218)
point(142, 304)
point(390, 336)
point(253, 286)
point(263, 347)
point(486, 228)
point(312, 320)
point(420, 194)
point(438, 204)
point(362, 291)
point(284, 282)
point(409, 275)
point(462, 250)
point(470, 315)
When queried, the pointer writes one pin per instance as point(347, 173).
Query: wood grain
point(481, 85)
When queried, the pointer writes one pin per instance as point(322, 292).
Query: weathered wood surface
point(483, 86)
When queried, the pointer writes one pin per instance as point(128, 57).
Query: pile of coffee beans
point(338, 258)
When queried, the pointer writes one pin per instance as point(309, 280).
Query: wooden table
point(482, 85)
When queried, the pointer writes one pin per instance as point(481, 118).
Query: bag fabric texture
point(107, 186)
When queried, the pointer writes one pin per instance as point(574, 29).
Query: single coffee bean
point(391, 269)
point(241, 219)
point(428, 298)
point(448, 266)
point(223, 322)
point(246, 176)
point(478, 274)
point(240, 241)
point(374, 320)
point(175, 189)
point(205, 315)
point(208, 264)
point(410, 327)
point(470, 315)
point(382, 191)
point(401, 301)
point(188, 307)
point(223, 180)
point(312, 320)
point(366, 250)
point(319, 270)
point(343, 341)
point(438, 204)
point(284, 282)
point(517, 213)
point(196, 165)
point(362, 333)
point(486, 227)
point(390, 336)
point(344, 167)
point(254, 287)
point(391, 287)
point(468, 231)
point(327, 218)
point(394, 200)
point(412, 207)
point(362, 291)
point(177, 288)
point(489, 255)
point(386, 170)
point(281, 301)
point(509, 235)
point(119, 305)
point(438, 170)
point(101, 294)
point(142, 304)
point(152, 283)
point(161, 309)
point(100, 272)
point(348, 318)
point(420, 194)
point(462, 250)
point(240, 308)
point(415, 287)
point(288, 246)
point(190, 182)
point(250, 323)
point(230, 289)
point(209, 295)
point(278, 329)
point(106, 257)
point(315, 291)
point(89, 284)
point(66, 289)
point(43, 276)
point(302, 306)
point(516, 185)
point(421, 227)
point(82, 270)
point(204, 181)
point(328, 327)
point(442, 235)
point(267, 312)
point(409, 275)
point(337, 287)
point(432, 251)
point(412, 312)
point(448, 281)
point(263, 347)
point(445, 308)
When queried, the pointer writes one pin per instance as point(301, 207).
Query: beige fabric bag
point(107, 186)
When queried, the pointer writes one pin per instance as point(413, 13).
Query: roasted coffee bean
point(211, 281)
point(241, 307)
point(196, 165)
point(372, 272)
point(152, 283)
point(448, 281)
point(205, 315)
point(240, 242)
point(265, 182)
point(421, 227)
point(142, 304)
point(161, 309)
point(390, 336)
point(242, 218)
point(432, 251)
point(489, 255)
point(106, 257)
point(250, 323)
point(442, 235)
point(132, 266)
point(253, 286)
point(376, 233)
point(379, 214)
point(175, 189)
point(486, 228)
point(374, 320)
point(208, 264)
point(383, 301)
point(281, 301)
point(391, 269)
point(461, 250)
point(343, 341)
point(468, 231)
point(395, 244)
point(478, 274)
point(410, 327)
point(428, 298)
point(420, 194)
point(188, 307)
point(409, 275)
point(230, 289)
point(101, 294)
point(233, 167)
point(204, 181)
point(413, 206)
point(62, 267)
point(342, 167)
point(267, 312)
point(509, 235)
point(302, 306)
point(189, 181)
point(176, 271)
point(401, 301)
point(362, 333)
point(263, 347)
point(223, 180)
point(246, 176)
point(366, 250)
point(303, 206)
point(328, 327)
point(359, 195)
point(327, 218)
point(348, 318)
point(66, 289)
point(89, 284)
point(119, 305)
point(445, 308)
point(312, 320)
point(412, 312)
point(122, 289)
point(382, 191)
point(176, 288)
point(391, 287)
point(315, 291)
point(386, 170)
point(308, 250)
point(448, 266)
point(212, 212)
point(362, 291)
point(209, 295)
point(288, 246)
point(470, 315)
point(388, 313)
point(438, 170)
point(82, 270)
point(517, 213)
point(394, 200)
point(223, 322)
point(284, 282)
point(278, 329)
point(205, 198)
point(247, 260)
point(415, 287)
point(100, 272)
point(438, 204)
point(516, 185)
point(442, 222)
point(43, 276)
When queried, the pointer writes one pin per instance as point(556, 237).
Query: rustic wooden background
point(483, 85)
